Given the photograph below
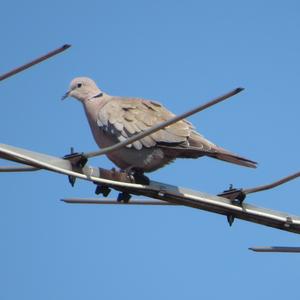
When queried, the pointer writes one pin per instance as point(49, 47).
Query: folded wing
point(125, 117)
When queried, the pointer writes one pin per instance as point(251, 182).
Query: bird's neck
point(95, 96)
point(93, 105)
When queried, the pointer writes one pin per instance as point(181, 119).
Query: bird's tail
point(198, 142)
point(214, 152)
point(225, 155)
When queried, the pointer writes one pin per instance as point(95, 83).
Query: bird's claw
point(138, 176)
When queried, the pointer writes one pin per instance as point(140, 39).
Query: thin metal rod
point(113, 201)
point(163, 125)
point(34, 62)
point(18, 169)
point(276, 249)
point(272, 185)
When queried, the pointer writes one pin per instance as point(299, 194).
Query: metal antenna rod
point(18, 169)
point(142, 134)
point(34, 62)
point(162, 125)
point(271, 185)
point(276, 249)
point(114, 202)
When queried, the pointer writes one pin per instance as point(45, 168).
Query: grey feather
point(119, 126)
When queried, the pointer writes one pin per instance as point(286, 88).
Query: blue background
point(182, 54)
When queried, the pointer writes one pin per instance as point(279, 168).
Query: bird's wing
point(125, 117)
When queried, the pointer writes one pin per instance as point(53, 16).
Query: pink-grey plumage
point(114, 119)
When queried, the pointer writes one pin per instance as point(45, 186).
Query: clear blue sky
point(180, 53)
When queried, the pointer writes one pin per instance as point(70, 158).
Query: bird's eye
point(79, 85)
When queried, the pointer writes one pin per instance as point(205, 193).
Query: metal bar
point(58, 165)
point(163, 125)
point(159, 190)
point(34, 62)
point(113, 201)
point(272, 185)
point(18, 169)
point(276, 249)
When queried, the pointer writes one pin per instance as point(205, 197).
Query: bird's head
point(83, 89)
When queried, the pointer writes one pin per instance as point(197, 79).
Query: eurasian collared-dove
point(113, 119)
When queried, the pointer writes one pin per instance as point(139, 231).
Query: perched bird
point(113, 119)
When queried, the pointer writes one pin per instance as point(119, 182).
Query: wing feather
point(125, 117)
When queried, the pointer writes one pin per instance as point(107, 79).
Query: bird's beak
point(66, 95)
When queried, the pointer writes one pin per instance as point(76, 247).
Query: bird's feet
point(138, 175)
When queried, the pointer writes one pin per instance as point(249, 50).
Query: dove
point(113, 119)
